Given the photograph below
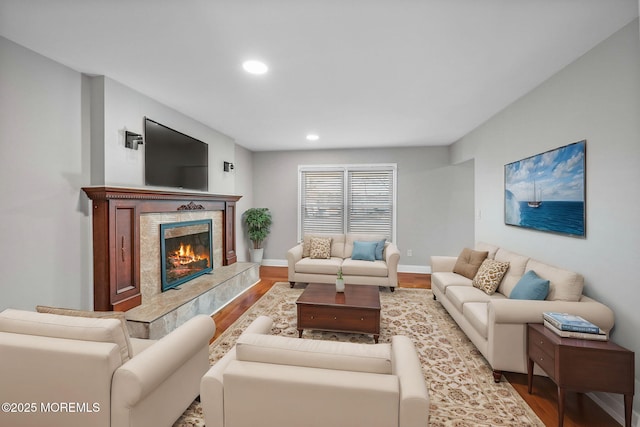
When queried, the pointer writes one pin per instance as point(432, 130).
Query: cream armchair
point(275, 381)
point(72, 371)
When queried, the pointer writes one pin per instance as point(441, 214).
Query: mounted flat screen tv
point(173, 159)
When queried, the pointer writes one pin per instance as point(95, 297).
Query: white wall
point(596, 98)
point(435, 199)
point(44, 161)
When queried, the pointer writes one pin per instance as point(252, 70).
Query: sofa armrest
point(392, 258)
point(442, 263)
point(212, 384)
point(414, 396)
point(293, 255)
point(45, 369)
point(525, 311)
point(141, 375)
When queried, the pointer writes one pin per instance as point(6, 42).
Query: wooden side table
point(581, 365)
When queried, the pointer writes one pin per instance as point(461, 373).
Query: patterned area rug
point(461, 387)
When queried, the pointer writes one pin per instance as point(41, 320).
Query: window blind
point(347, 199)
point(370, 202)
point(322, 201)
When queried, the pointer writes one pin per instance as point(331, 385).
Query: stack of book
point(572, 326)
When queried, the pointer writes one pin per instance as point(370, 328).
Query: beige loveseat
point(497, 324)
point(277, 381)
point(68, 371)
point(306, 269)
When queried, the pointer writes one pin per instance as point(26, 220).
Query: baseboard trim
point(402, 268)
point(613, 404)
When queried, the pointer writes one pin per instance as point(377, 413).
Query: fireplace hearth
point(186, 251)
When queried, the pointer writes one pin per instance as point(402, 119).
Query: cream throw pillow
point(320, 248)
point(119, 315)
point(490, 275)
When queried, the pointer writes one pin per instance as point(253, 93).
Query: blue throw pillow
point(530, 286)
point(365, 251)
point(380, 249)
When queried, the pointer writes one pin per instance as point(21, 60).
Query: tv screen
point(173, 159)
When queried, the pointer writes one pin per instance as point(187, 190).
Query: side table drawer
point(542, 351)
point(543, 359)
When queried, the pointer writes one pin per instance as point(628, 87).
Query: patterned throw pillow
point(320, 248)
point(490, 275)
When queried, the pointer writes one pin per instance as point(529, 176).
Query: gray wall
point(44, 160)
point(243, 173)
point(596, 98)
point(435, 199)
point(61, 131)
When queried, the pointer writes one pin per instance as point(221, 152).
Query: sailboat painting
point(546, 192)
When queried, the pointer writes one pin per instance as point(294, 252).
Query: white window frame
point(345, 169)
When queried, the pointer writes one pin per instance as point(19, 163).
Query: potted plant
point(258, 222)
point(340, 281)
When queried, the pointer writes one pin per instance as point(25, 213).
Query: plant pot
point(339, 285)
point(256, 255)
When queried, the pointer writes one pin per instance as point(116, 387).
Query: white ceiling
point(360, 73)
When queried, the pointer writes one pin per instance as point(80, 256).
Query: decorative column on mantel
point(116, 236)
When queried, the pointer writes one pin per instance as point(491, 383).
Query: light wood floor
point(580, 410)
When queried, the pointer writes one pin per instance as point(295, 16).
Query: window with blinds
point(347, 199)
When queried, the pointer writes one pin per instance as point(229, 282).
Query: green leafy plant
point(340, 273)
point(258, 222)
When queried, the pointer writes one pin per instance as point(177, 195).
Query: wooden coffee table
point(356, 310)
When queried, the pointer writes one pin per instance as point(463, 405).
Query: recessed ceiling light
point(255, 67)
point(313, 137)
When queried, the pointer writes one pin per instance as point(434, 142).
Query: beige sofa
point(70, 371)
point(306, 269)
point(276, 381)
point(497, 324)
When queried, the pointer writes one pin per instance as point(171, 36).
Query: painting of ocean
point(546, 192)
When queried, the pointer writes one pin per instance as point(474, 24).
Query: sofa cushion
point(94, 314)
point(319, 266)
point(320, 248)
point(469, 262)
point(477, 314)
point(364, 251)
point(530, 287)
point(517, 264)
point(461, 295)
point(353, 267)
point(69, 327)
point(564, 285)
point(490, 275)
point(343, 356)
point(337, 244)
point(361, 237)
point(443, 279)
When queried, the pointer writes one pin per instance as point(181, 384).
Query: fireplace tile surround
point(150, 276)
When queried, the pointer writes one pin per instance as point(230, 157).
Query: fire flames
point(185, 256)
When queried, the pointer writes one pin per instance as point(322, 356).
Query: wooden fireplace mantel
point(116, 236)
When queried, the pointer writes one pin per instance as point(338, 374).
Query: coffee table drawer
point(339, 320)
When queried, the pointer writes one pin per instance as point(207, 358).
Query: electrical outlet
point(409, 252)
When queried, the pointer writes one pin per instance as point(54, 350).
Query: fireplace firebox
point(186, 251)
